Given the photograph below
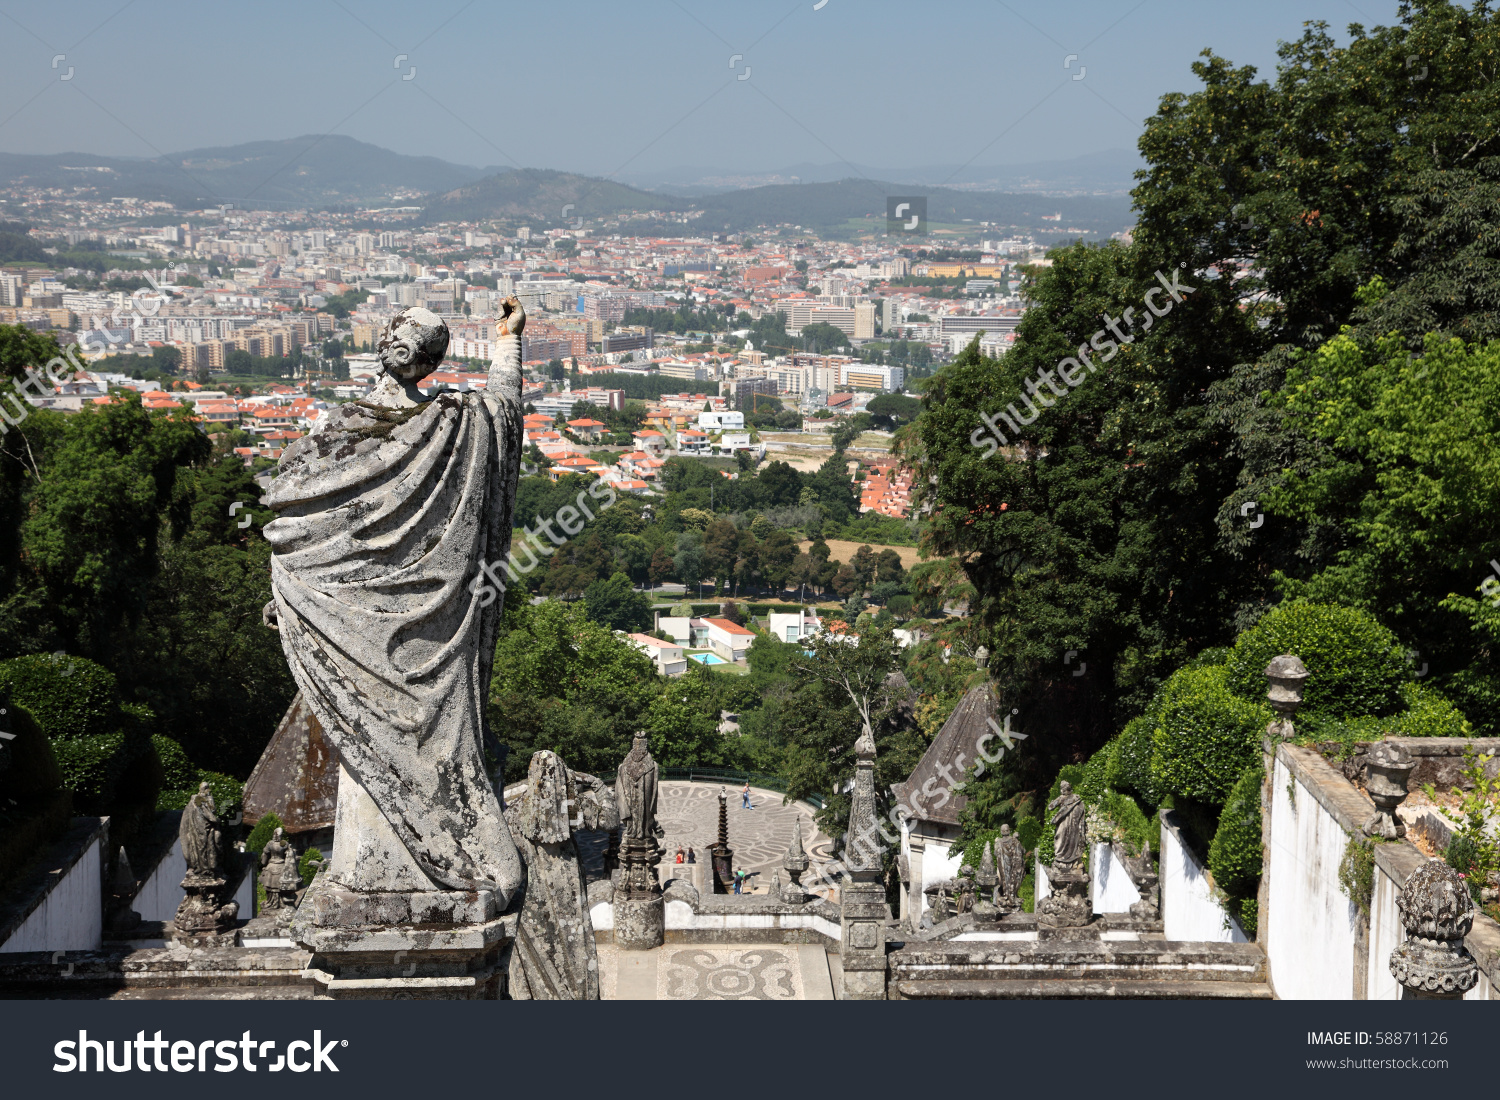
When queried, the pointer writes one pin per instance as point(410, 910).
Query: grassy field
point(844, 551)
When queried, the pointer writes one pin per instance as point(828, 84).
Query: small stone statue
point(202, 835)
point(207, 911)
point(1068, 819)
point(278, 873)
point(1011, 860)
point(985, 880)
point(122, 887)
point(963, 892)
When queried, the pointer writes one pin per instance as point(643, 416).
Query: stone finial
point(865, 746)
point(982, 657)
point(986, 877)
point(1287, 674)
point(1437, 913)
point(795, 861)
point(1387, 771)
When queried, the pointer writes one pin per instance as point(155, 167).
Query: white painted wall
point(1386, 935)
point(71, 916)
point(1110, 887)
point(161, 893)
point(1310, 931)
point(1188, 908)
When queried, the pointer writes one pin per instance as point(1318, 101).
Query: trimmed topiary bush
point(34, 805)
point(1205, 735)
point(71, 698)
point(1355, 665)
point(1133, 749)
point(177, 771)
point(92, 768)
point(261, 835)
point(1234, 857)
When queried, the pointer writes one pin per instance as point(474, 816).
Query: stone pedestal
point(1068, 905)
point(207, 912)
point(640, 911)
point(403, 945)
point(862, 941)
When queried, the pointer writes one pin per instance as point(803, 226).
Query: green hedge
point(1205, 735)
point(1234, 857)
point(1355, 665)
point(34, 805)
point(261, 835)
point(72, 698)
point(1133, 748)
point(177, 771)
point(92, 768)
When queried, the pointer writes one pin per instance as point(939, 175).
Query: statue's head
point(413, 344)
point(1066, 788)
point(278, 833)
point(204, 788)
point(1005, 830)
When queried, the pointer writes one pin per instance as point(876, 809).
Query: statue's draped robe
point(635, 792)
point(1069, 821)
point(1012, 860)
point(554, 958)
point(385, 516)
point(200, 835)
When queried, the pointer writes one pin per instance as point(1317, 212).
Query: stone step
point(1079, 989)
point(98, 973)
point(1106, 962)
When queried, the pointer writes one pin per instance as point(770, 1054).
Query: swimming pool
point(707, 659)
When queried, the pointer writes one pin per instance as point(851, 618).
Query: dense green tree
point(615, 604)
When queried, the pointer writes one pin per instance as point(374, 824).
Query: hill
point(313, 170)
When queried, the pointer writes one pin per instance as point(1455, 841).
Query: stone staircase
point(1089, 968)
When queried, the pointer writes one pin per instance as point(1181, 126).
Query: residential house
point(727, 639)
point(667, 656)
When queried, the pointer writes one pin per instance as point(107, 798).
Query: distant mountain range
point(333, 170)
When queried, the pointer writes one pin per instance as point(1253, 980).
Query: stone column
point(1437, 913)
point(721, 855)
point(863, 911)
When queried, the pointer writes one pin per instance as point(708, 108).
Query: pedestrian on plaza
point(739, 880)
point(745, 797)
point(679, 854)
point(692, 855)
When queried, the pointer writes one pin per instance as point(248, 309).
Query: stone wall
point(1189, 910)
point(1110, 886)
point(1318, 943)
point(724, 918)
point(60, 906)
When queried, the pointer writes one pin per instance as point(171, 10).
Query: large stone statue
point(1068, 820)
point(554, 958)
point(202, 835)
point(388, 513)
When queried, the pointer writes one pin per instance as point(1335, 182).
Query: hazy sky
point(602, 88)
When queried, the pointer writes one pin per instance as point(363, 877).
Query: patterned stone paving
point(704, 973)
point(689, 812)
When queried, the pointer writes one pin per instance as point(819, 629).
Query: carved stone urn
point(1437, 913)
point(1387, 772)
point(1287, 675)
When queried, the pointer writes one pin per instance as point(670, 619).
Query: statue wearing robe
point(554, 958)
point(389, 515)
point(1011, 860)
point(1068, 819)
point(202, 835)
point(635, 792)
